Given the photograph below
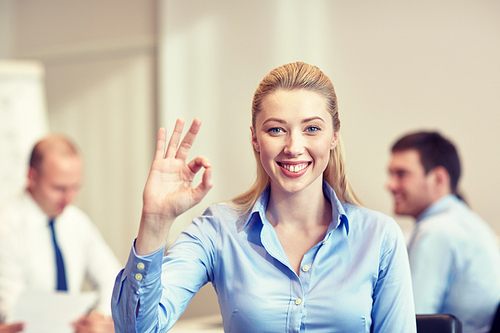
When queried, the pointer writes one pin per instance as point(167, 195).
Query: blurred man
point(47, 244)
point(454, 254)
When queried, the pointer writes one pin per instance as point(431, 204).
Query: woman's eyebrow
point(278, 120)
point(312, 119)
point(281, 121)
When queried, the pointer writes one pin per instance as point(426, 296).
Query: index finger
point(160, 143)
point(187, 142)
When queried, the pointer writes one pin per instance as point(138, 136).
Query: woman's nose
point(294, 145)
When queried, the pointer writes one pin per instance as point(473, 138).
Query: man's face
point(409, 184)
point(57, 184)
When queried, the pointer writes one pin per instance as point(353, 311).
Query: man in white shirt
point(454, 254)
point(47, 244)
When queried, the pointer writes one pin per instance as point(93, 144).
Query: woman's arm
point(168, 192)
point(393, 309)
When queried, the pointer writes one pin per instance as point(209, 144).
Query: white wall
point(6, 17)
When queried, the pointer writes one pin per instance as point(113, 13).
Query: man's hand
point(11, 328)
point(94, 322)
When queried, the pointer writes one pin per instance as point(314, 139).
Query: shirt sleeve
point(431, 260)
point(393, 308)
point(137, 293)
point(152, 291)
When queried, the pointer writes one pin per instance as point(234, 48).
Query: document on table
point(51, 312)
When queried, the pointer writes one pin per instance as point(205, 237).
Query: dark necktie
point(61, 274)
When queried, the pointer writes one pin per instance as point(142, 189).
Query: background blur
point(116, 70)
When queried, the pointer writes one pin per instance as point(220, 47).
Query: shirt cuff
point(143, 270)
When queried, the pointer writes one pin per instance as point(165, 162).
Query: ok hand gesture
point(169, 192)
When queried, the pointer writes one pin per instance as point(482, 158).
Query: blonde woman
point(295, 253)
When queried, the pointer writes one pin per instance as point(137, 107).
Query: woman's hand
point(169, 192)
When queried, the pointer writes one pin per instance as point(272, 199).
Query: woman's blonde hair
point(288, 77)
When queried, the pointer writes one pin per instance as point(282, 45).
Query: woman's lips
point(294, 169)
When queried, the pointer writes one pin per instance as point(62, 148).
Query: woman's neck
point(302, 210)
point(300, 220)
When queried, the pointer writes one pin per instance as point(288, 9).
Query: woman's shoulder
point(366, 213)
point(222, 213)
point(223, 208)
point(366, 218)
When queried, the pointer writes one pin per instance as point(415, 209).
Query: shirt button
point(305, 268)
point(324, 242)
point(140, 266)
point(138, 276)
point(298, 301)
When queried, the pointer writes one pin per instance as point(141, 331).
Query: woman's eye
point(275, 130)
point(313, 129)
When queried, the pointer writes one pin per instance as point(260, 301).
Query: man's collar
point(438, 206)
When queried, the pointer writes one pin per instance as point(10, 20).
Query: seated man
point(47, 244)
point(454, 254)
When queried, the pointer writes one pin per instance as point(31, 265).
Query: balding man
point(47, 244)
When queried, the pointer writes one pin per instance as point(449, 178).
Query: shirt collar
point(338, 213)
point(259, 208)
point(34, 209)
point(439, 206)
point(32, 204)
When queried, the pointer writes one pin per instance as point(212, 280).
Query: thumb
point(206, 184)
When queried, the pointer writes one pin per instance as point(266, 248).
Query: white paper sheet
point(45, 312)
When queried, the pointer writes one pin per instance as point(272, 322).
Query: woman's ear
point(255, 144)
point(335, 140)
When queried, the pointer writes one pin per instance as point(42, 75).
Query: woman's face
point(294, 135)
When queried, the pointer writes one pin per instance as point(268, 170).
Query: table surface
point(205, 324)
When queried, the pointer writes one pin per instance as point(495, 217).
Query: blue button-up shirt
point(356, 279)
point(455, 264)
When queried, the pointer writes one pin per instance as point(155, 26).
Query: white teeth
point(295, 167)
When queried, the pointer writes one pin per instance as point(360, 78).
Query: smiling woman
point(294, 253)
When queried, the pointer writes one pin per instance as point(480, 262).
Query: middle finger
point(187, 142)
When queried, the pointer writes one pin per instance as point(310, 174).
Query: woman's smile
point(294, 169)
